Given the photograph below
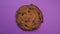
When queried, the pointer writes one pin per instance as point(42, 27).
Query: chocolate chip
point(29, 11)
point(38, 13)
point(26, 25)
point(26, 21)
point(31, 8)
point(39, 18)
point(22, 14)
point(33, 22)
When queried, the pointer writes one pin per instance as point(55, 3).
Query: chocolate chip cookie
point(29, 17)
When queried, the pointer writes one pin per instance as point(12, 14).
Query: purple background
point(50, 10)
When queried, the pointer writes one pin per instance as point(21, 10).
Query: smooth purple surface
point(50, 10)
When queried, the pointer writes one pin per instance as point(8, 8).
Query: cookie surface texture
point(29, 17)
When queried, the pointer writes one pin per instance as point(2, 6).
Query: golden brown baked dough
point(29, 17)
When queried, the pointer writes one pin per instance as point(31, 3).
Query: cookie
point(29, 17)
